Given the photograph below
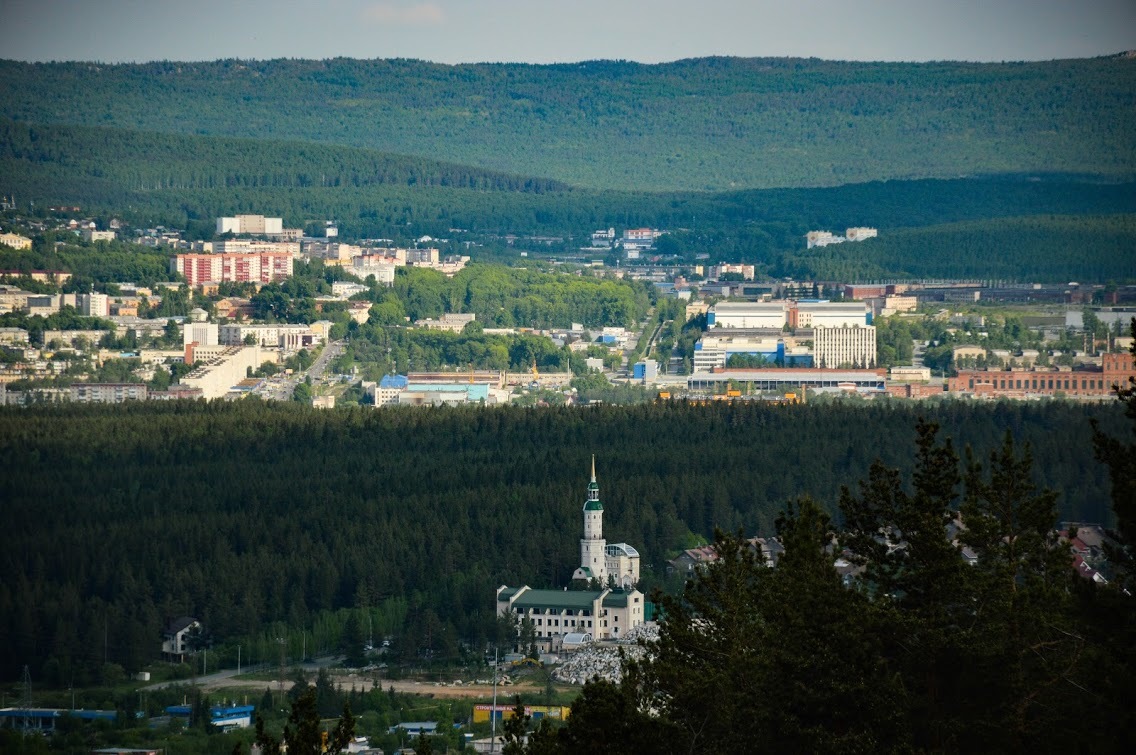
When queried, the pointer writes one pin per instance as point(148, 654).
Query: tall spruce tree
point(1111, 609)
point(1026, 652)
point(916, 576)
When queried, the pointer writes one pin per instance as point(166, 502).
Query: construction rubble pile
point(603, 660)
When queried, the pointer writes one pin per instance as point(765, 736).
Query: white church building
point(617, 563)
point(608, 613)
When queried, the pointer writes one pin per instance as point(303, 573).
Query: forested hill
point(247, 513)
point(174, 178)
point(712, 123)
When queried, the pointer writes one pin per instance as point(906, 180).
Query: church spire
point(593, 502)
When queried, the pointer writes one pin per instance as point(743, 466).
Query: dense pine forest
point(701, 124)
point(119, 518)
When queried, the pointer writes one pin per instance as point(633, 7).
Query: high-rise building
point(845, 346)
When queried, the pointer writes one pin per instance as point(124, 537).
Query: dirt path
point(365, 683)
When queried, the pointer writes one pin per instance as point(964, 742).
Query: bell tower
point(593, 563)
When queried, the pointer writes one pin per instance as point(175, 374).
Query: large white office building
point(845, 346)
point(769, 315)
point(829, 314)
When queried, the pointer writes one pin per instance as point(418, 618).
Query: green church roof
point(593, 506)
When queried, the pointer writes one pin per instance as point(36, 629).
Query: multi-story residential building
point(859, 234)
point(201, 333)
point(233, 267)
point(347, 289)
point(43, 304)
point(13, 299)
point(824, 238)
point(253, 225)
point(13, 335)
point(367, 265)
point(288, 337)
point(845, 346)
point(108, 393)
point(90, 234)
point(746, 271)
point(332, 252)
point(425, 257)
point(256, 246)
point(217, 376)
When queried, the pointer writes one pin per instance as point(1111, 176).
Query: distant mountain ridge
point(699, 124)
point(1036, 226)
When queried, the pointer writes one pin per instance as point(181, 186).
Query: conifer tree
point(1025, 652)
point(917, 577)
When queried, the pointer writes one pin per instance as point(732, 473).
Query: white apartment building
point(380, 267)
point(201, 333)
point(426, 257)
point(216, 377)
point(288, 337)
point(859, 234)
point(93, 305)
point(254, 246)
point(108, 393)
point(347, 289)
point(845, 346)
point(824, 238)
point(256, 225)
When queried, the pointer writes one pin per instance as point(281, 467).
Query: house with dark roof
point(175, 638)
point(693, 558)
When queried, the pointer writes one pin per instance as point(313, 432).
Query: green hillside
point(1053, 248)
point(702, 124)
point(1059, 228)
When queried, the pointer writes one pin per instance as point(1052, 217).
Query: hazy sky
point(541, 31)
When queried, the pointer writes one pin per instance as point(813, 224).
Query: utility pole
point(493, 711)
point(280, 641)
point(238, 660)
